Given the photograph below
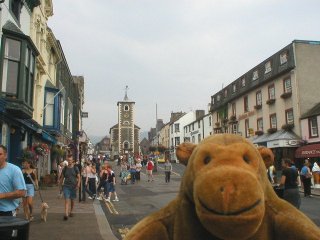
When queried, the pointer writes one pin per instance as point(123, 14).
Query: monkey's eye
point(246, 159)
point(207, 159)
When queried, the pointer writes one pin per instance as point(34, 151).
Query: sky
point(173, 54)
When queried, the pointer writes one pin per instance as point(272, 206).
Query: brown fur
point(44, 211)
point(225, 194)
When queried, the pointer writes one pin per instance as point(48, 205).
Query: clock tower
point(125, 135)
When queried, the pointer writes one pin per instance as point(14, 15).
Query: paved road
point(140, 199)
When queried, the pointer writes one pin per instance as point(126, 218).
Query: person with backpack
point(70, 181)
point(150, 166)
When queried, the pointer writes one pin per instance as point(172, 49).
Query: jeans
point(167, 176)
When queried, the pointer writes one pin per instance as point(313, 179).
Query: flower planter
point(272, 130)
point(270, 101)
point(286, 95)
point(257, 107)
point(258, 133)
point(288, 127)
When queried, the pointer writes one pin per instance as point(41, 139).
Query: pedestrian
point(306, 176)
point(289, 180)
point(12, 187)
point(92, 180)
point(86, 170)
point(150, 166)
point(111, 182)
point(133, 172)
point(167, 170)
point(70, 180)
point(138, 169)
point(316, 173)
point(103, 181)
point(31, 180)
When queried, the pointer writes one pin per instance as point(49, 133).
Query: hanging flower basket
point(28, 154)
point(41, 149)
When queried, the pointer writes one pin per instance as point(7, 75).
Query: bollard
point(14, 228)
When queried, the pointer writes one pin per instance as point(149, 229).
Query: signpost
point(84, 114)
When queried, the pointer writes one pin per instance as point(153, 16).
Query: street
point(142, 198)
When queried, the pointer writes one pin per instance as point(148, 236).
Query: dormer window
point(234, 88)
point(225, 93)
point(243, 82)
point(218, 98)
point(267, 67)
point(283, 57)
point(255, 75)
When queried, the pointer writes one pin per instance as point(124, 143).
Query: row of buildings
point(41, 102)
point(275, 104)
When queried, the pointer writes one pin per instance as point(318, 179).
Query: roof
point(279, 135)
point(314, 111)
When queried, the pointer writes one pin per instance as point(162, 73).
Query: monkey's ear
point(184, 152)
point(266, 154)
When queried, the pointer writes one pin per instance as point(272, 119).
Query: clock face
point(126, 115)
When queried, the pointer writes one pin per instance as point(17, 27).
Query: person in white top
point(316, 174)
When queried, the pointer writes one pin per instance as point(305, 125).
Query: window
point(177, 141)
point(287, 85)
point(255, 75)
point(193, 139)
point(246, 126)
point(187, 139)
point(226, 93)
point(218, 98)
point(62, 106)
point(199, 125)
point(176, 127)
point(171, 129)
point(259, 124)
point(234, 88)
point(313, 127)
point(210, 123)
point(246, 104)
point(273, 121)
point(267, 67)
point(49, 108)
point(199, 138)
point(258, 98)
point(271, 92)
point(289, 116)
point(29, 76)
point(126, 107)
point(11, 62)
point(70, 112)
point(234, 128)
point(192, 126)
point(233, 109)
point(212, 100)
point(283, 57)
point(243, 82)
point(126, 123)
point(126, 145)
point(185, 129)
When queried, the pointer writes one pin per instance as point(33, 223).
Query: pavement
point(88, 222)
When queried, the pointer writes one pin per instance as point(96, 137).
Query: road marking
point(110, 207)
point(171, 171)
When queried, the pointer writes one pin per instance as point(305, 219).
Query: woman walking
point(31, 180)
point(111, 184)
point(167, 170)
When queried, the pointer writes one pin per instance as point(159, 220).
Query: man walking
point(167, 170)
point(12, 187)
point(70, 178)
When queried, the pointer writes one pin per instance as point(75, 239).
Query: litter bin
point(14, 228)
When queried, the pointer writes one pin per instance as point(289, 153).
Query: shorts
point(149, 172)
point(30, 190)
point(69, 192)
point(110, 187)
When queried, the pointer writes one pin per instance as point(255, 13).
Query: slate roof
point(312, 112)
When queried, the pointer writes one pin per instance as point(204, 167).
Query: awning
point(46, 136)
point(280, 138)
point(307, 151)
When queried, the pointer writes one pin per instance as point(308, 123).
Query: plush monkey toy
point(225, 194)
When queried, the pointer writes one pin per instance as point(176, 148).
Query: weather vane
point(126, 96)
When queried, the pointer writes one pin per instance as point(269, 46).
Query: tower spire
point(126, 93)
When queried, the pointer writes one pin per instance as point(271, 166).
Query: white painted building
point(199, 129)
